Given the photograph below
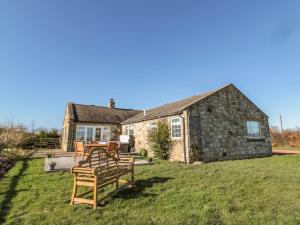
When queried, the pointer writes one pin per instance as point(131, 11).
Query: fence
point(49, 143)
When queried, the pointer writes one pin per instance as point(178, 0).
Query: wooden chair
point(80, 149)
point(113, 148)
point(100, 169)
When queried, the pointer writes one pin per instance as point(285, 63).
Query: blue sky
point(146, 53)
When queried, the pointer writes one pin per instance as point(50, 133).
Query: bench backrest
point(102, 160)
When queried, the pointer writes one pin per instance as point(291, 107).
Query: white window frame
point(253, 124)
point(129, 130)
point(93, 134)
point(105, 130)
point(84, 133)
point(152, 126)
point(179, 122)
point(85, 127)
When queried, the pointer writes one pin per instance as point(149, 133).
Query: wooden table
point(91, 146)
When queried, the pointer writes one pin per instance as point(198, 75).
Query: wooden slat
point(81, 168)
point(83, 172)
point(84, 179)
point(84, 193)
point(83, 200)
point(82, 183)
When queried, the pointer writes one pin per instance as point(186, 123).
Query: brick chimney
point(111, 103)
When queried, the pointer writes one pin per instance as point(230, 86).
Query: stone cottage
point(219, 125)
point(93, 123)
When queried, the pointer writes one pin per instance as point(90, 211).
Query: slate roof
point(170, 108)
point(99, 114)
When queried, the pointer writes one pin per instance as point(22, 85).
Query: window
point(253, 129)
point(93, 133)
point(153, 126)
point(90, 134)
point(176, 127)
point(80, 134)
point(106, 134)
point(129, 130)
point(98, 134)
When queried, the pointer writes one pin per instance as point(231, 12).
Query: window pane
point(253, 129)
point(98, 134)
point(89, 136)
point(176, 131)
point(131, 130)
point(106, 137)
point(176, 127)
point(152, 126)
point(106, 134)
point(80, 134)
point(175, 120)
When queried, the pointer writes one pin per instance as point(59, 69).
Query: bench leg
point(117, 183)
point(132, 177)
point(95, 193)
point(74, 190)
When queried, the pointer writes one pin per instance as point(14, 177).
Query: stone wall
point(141, 131)
point(218, 128)
point(68, 133)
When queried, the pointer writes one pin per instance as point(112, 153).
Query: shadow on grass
point(140, 186)
point(11, 192)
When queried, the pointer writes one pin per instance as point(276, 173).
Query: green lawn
point(287, 148)
point(257, 191)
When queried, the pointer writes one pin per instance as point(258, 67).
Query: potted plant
point(52, 165)
point(49, 154)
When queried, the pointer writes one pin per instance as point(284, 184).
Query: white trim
point(176, 123)
point(131, 130)
point(94, 132)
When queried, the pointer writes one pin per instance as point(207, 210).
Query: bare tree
point(11, 135)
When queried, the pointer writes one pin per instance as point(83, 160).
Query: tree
point(160, 141)
point(10, 135)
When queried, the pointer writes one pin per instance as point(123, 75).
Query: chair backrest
point(94, 142)
point(79, 146)
point(113, 147)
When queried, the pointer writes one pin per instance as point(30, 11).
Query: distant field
point(287, 148)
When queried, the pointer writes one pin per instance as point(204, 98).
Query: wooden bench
point(98, 170)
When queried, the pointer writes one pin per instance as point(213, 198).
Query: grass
point(257, 191)
point(287, 148)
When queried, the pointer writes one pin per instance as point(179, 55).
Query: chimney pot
point(111, 103)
